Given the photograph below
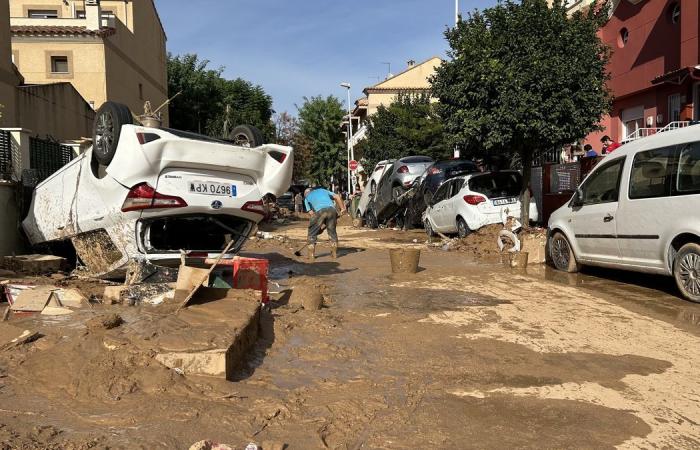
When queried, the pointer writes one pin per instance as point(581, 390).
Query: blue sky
point(297, 48)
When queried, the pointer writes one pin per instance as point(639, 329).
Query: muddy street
point(463, 354)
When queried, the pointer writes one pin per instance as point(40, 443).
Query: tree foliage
point(524, 77)
point(409, 126)
point(320, 135)
point(287, 133)
point(212, 104)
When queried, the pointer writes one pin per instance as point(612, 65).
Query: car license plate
point(504, 201)
point(213, 188)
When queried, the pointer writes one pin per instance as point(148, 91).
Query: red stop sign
point(353, 165)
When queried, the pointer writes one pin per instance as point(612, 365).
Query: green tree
point(319, 130)
point(409, 126)
point(524, 77)
point(212, 104)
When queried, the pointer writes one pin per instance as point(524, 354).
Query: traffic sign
point(353, 165)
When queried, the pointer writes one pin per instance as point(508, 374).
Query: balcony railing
point(646, 132)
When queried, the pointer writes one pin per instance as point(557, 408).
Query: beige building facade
point(108, 50)
point(8, 77)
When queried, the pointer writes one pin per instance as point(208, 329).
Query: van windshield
point(496, 185)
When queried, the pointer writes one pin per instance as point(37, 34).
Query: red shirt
point(612, 147)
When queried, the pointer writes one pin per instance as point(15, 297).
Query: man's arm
point(339, 201)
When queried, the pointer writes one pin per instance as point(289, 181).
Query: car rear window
point(495, 185)
point(689, 170)
point(464, 168)
point(416, 159)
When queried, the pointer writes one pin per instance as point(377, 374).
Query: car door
point(451, 205)
point(593, 215)
point(640, 218)
point(438, 207)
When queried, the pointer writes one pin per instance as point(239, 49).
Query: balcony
point(107, 22)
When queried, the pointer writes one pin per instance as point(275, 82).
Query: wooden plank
point(205, 276)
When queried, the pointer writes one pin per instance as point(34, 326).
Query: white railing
point(646, 132)
point(360, 135)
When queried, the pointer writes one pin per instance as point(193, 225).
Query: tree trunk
point(526, 157)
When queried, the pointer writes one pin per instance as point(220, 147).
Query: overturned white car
point(151, 193)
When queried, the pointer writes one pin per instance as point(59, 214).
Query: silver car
point(406, 171)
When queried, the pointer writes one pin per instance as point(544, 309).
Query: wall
point(88, 59)
point(416, 77)
point(8, 79)
point(11, 242)
point(56, 110)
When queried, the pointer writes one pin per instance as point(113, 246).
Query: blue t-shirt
point(319, 199)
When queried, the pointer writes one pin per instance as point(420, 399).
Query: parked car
point(371, 186)
point(383, 206)
point(638, 210)
point(405, 171)
point(465, 204)
point(430, 181)
point(286, 200)
point(149, 193)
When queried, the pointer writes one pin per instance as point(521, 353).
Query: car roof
point(416, 159)
point(478, 174)
point(690, 133)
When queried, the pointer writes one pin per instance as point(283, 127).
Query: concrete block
point(535, 246)
point(34, 264)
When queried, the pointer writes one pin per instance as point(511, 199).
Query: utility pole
point(351, 152)
point(456, 12)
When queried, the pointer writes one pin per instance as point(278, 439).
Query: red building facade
point(655, 65)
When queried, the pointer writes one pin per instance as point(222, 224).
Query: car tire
point(371, 219)
point(106, 130)
point(246, 136)
point(396, 192)
point(686, 271)
point(562, 255)
point(428, 229)
point(462, 228)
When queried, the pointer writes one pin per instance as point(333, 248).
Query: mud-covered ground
point(464, 354)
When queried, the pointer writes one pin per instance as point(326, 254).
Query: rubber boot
point(334, 250)
point(311, 252)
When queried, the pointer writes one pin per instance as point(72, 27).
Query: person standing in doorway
point(321, 205)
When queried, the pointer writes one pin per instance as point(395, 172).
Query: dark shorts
point(327, 217)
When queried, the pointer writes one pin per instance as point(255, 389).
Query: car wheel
point(396, 192)
point(462, 228)
point(562, 255)
point(246, 136)
point(428, 229)
point(686, 271)
point(372, 219)
point(109, 120)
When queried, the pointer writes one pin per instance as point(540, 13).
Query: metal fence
point(45, 158)
point(5, 155)
point(547, 157)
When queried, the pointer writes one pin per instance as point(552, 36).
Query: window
point(674, 13)
point(441, 193)
point(456, 187)
point(651, 173)
point(624, 37)
point(604, 185)
point(59, 64)
point(497, 185)
point(689, 170)
point(42, 14)
point(80, 14)
point(674, 108)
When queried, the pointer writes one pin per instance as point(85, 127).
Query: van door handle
point(608, 218)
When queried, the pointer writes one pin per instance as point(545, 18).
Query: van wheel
point(462, 228)
point(247, 136)
point(686, 271)
point(107, 128)
point(562, 255)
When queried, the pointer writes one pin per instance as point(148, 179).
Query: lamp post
point(351, 152)
point(456, 12)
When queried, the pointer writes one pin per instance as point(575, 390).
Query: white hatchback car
point(150, 193)
point(465, 204)
point(639, 210)
point(371, 187)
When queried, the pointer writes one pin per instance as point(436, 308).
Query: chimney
point(411, 63)
point(93, 14)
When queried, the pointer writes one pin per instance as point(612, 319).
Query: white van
point(638, 210)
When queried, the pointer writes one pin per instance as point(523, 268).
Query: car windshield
point(495, 185)
point(416, 160)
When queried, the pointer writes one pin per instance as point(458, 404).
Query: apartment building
point(8, 77)
point(107, 49)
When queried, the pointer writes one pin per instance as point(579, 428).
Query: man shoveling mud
point(321, 204)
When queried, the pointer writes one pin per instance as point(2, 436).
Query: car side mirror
point(577, 201)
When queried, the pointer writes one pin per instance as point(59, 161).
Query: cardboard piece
point(70, 298)
point(55, 311)
point(33, 300)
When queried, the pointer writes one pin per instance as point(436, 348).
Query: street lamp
point(351, 152)
point(456, 12)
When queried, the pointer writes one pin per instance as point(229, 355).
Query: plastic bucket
point(404, 260)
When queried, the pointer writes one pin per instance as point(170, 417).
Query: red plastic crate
point(248, 273)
